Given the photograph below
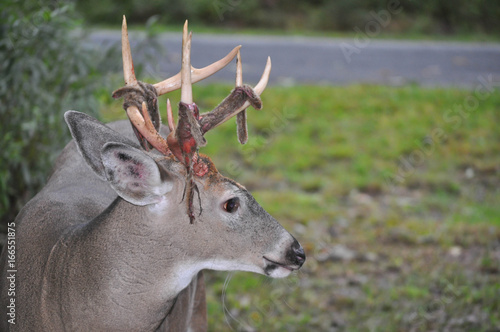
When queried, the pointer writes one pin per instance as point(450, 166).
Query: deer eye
point(231, 205)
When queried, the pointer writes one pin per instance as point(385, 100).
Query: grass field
point(393, 192)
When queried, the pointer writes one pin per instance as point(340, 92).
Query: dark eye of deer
point(231, 205)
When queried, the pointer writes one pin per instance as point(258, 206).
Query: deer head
point(144, 178)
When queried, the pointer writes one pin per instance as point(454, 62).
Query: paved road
point(327, 60)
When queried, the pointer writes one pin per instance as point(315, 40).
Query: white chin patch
point(279, 272)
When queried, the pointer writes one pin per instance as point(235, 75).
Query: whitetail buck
point(121, 245)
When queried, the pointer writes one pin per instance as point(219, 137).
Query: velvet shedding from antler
point(184, 140)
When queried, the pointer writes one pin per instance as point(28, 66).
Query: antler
point(239, 99)
point(185, 139)
point(135, 92)
point(142, 122)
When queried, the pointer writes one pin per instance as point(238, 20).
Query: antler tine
point(260, 87)
point(239, 70)
point(264, 79)
point(230, 106)
point(241, 118)
point(142, 122)
point(186, 89)
point(197, 74)
point(128, 64)
point(170, 116)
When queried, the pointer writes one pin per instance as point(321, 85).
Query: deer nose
point(300, 255)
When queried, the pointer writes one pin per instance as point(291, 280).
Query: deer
point(132, 214)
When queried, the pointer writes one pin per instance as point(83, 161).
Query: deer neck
point(125, 254)
point(150, 242)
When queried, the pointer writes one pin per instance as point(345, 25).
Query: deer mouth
point(278, 270)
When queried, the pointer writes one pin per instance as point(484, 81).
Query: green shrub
point(44, 71)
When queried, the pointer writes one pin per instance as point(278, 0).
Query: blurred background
point(444, 17)
point(378, 146)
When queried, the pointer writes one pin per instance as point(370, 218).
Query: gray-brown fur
point(241, 126)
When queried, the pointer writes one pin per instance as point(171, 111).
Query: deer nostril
point(300, 255)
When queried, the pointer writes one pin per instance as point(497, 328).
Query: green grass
point(327, 162)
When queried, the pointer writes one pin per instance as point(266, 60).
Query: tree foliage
point(44, 71)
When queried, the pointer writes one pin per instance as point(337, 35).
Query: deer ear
point(90, 136)
point(134, 175)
